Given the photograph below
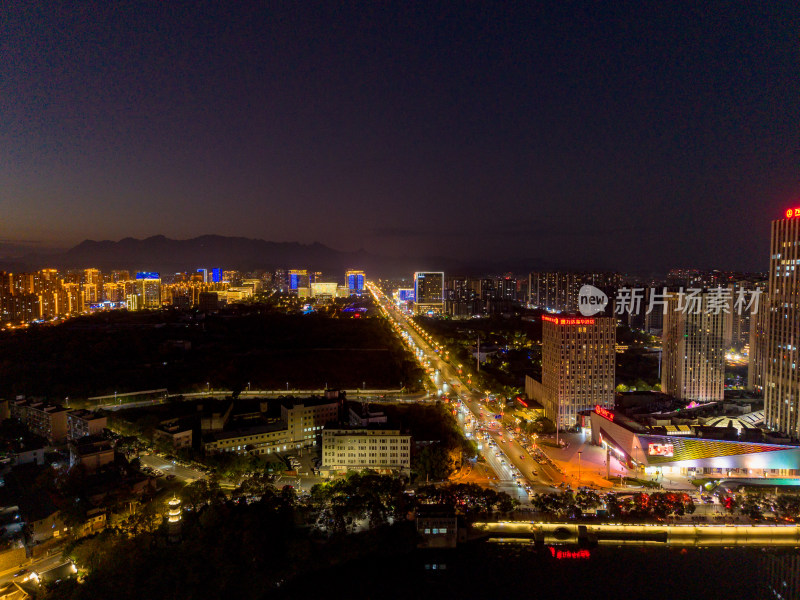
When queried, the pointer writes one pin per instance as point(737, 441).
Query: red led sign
point(560, 321)
point(568, 554)
point(792, 212)
point(604, 412)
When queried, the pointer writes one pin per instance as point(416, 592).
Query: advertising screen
point(660, 450)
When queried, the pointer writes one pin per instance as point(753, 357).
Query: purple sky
point(633, 137)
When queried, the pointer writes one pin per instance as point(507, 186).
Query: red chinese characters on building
point(569, 554)
point(568, 321)
point(792, 212)
point(604, 412)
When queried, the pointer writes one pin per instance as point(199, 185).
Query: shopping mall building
point(679, 450)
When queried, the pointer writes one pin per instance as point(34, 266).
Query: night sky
point(629, 135)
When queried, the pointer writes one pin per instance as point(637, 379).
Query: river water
point(511, 570)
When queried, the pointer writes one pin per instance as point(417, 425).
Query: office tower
point(693, 349)
point(558, 291)
point(781, 373)
point(216, 275)
point(757, 347)
point(148, 289)
point(204, 274)
point(298, 278)
point(578, 366)
point(429, 292)
point(461, 300)
point(355, 282)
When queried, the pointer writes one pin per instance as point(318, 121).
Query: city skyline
point(436, 299)
point(566, 135)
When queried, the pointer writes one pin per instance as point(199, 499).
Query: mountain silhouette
point(166, 255)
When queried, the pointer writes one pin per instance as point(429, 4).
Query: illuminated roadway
point(427, 352)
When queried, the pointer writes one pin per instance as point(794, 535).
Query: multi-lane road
point(513, 464)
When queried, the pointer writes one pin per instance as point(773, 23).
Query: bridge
point(616, 534)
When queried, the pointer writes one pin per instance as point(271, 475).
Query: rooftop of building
point(255, 429)
point(86, 415)
point(312, 401)
point(369, 429)
point(92, 444)
point(40, 405)
point(746, 427)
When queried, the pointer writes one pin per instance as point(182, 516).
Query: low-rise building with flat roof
point(42, 418)
point(92, 452)
point(82, 422)
point(375, 447)
point(175, 432)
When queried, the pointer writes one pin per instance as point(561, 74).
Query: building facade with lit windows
point(148, 288)
point(355, 281)
point(373, 447)
point(300, 425)
point(578, 366)
point(43, 419)
point(428, 292)
point(82, 423)
point(693, 349)
point(781, 357)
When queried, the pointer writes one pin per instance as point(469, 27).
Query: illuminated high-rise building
point(298, 278)
point(72, 301)
point(149, 289)
point(119, 276)
point(355, 282)
point(24, 284)
point(90, 295)
point(578, 366)
point(693, 348)
point(114, 292)
point(781, 357)
point(428, 292)
point(92, 276)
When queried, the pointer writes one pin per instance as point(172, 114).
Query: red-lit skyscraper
point(781, 358)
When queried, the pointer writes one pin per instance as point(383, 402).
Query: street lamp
point(579, 466)
point(208, 387)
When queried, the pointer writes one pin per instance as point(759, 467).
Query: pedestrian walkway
point(585, 465)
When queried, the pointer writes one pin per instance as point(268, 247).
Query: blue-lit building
point(298, 278)
point(211, 275)
point(405, 295)
point(355, 282)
